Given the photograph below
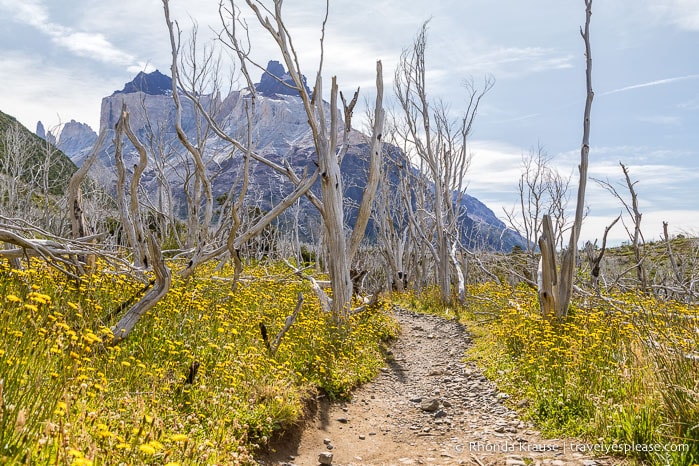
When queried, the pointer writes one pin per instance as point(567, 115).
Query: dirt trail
point(425, 407)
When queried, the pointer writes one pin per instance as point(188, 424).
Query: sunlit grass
point(68, 398)
point(623, 369)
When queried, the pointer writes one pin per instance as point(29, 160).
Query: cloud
point(691, 104)
point(85, 44)
point(35, 90)
point(660, 120)
point(94, 46)
point(510, 62)
point(682, 13)
point(496, 167)
point(658, 82)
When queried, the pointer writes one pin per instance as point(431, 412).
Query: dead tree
point(634, 231)
point(128, 203)
point(542, 191)
point(556, 286)
point(440, 143)
point(330, 135)
point(594, 259)
point(74, 193)
point(163, 279)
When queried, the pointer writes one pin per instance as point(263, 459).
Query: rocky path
point(425, 407)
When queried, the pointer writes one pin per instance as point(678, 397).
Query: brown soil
point(425, 407)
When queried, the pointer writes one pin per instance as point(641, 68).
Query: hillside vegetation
point(15, 138)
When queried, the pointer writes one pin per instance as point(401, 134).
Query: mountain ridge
point(280, 130)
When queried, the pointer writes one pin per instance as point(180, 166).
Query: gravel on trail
point(426, 406)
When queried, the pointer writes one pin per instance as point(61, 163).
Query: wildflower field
point(68, 397)
point(622, 369)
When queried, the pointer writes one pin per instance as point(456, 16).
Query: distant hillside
point(35, 149)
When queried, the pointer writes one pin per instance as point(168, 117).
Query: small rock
point(430, 406)
point(440, 413)
point(329, 446)
point(372, 433)
point(325, 458)
point(416, 399)
point(342, 420)
point(327, 441)
point(446, 404)
point(362, 437)
point(589, 463)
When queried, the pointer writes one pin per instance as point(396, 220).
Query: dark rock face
point(154, 83)
point(275, 81)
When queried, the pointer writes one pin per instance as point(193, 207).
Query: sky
point(59, 59)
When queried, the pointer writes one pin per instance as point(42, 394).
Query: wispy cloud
point(682, 13)
point(36, 90)
point(658, 82)
point(692, 104)
point(85, 44)
point(507, 62)
point(667, 120)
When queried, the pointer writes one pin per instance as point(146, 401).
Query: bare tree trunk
point(675, 267)
point(77, 218)
point(163, 279)
point(637, 238)
point(333, 213)
point(460, 280)
point(128, 223)
point(440, 145)
point(555, 289)
point(594, 260)
point(375, 158)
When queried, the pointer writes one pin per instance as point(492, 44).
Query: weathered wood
point(594, 260)
point(287, 325)
point(325, 301)
point(127, 222)
point(375, 162)
point(138, 169)
point(556, 286)
point(74, 194)
point(163, 279)
point(547, 276)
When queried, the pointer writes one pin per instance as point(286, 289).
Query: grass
point(67, 398)
point(621, 370)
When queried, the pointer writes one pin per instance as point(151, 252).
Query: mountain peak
point(154, 83)
point(276, 81)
